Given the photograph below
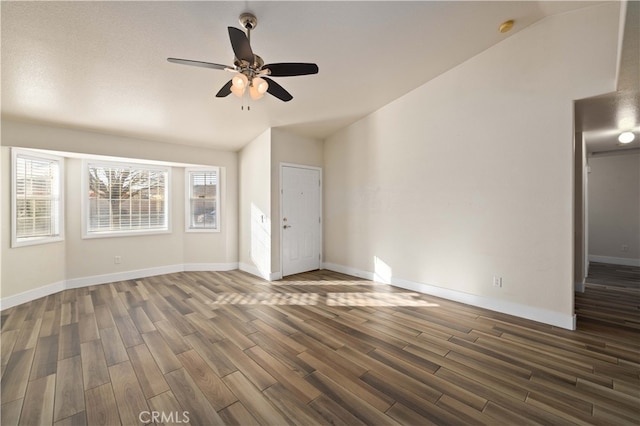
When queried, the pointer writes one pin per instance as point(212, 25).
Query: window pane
point(202, 201)
point(126, 198)
point(203, 214)
point(37, 197)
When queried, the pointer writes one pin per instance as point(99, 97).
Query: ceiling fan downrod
point(249, 22)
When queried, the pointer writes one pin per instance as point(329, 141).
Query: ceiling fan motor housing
point(250, 70)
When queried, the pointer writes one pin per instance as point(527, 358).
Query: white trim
point(253, 270)
point(29, 295)
point(46, 290)
point(279, 218)
point(122, 276)
point(84, 201)
point(250, 269)
point(522, 311)
point(614, 260)
point(210, 267)
point(347, 270)
point(28, 153)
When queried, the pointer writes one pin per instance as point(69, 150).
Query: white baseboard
point(253, 270)
point(250, 269)
point(349, 271)
point(122, 276)
point(46, 290)
point(210, 267)
point(579, 287)
point(614, 260)
point(29, 295)
point(518, 310)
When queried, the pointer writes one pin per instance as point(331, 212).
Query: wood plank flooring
point(317, 348)
point(609, 275)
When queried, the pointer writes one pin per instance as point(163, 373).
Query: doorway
point(301, 223)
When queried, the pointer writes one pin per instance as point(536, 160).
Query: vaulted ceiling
point(102, 65)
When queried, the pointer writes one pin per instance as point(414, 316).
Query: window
point(37, 208)
point(125, 199)
point(203, 196)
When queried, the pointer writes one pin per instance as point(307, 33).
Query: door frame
point(280, 223)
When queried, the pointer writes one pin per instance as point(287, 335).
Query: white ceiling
point(102, 65)
point(602, 118)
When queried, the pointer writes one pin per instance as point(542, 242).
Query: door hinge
point(319, 220)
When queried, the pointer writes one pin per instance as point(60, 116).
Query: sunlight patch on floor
point(266, 299)
point(283, 283)
point(376, 299)
point(332, 299)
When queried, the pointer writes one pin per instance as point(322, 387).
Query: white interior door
point(301, 219)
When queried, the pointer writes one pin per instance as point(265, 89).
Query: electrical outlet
point(497, 281)
point(117, 260)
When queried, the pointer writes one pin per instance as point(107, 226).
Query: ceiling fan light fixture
point(240, 81)
point(626, 137)
point(237, 91)
point(253, 92)
point(260, 84)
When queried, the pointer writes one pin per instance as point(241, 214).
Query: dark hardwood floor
point(316, 348)
point(608, 275)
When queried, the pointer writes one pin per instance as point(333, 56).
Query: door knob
point(287, 226)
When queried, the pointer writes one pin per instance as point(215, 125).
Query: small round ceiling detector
point(506, 26)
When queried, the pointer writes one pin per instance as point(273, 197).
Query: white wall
point(471, 175)
point(78, 261)
point(614, 209)
point(28, 267)
point(255, 206)
point(95, 256)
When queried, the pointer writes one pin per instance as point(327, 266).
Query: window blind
point(37, 197)
point(126, 198)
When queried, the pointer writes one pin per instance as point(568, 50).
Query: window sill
point(206, 231)
point(119, 234)
point(25, 242)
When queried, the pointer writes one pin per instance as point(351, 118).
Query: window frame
point(86, 210)
point(30, 241)
point(187, 202)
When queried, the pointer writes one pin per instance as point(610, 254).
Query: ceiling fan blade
point(198, 63)
point(225, 91)
point(240, 45)
point(278, 91)
point(289, 69)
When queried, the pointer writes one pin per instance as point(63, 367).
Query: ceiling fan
point(251, 71)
